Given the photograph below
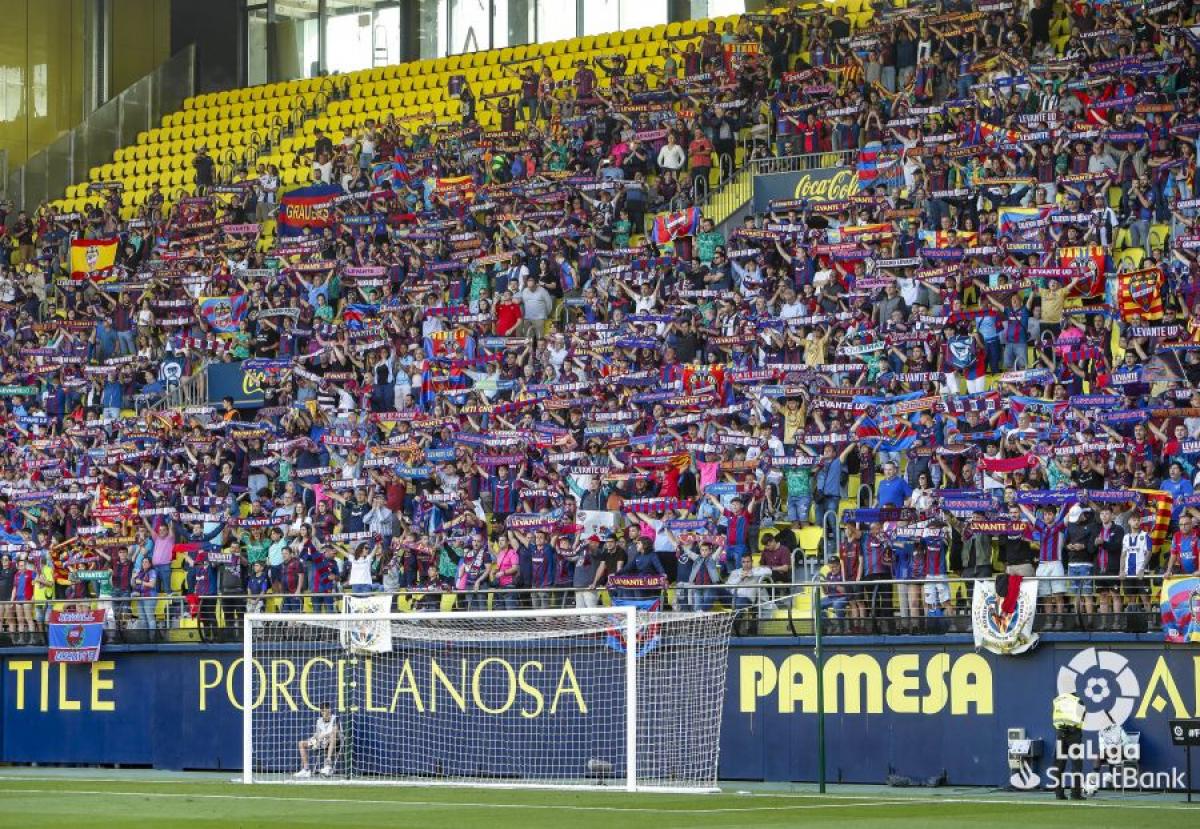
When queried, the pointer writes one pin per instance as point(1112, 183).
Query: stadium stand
point(492, 347)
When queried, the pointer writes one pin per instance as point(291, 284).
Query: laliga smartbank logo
point(1110, 692)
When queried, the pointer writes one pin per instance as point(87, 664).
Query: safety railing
point(190, 391)
point(737, 185)
point(804, 161)
point(872, 606)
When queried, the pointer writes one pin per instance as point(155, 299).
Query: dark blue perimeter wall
point(914, 708)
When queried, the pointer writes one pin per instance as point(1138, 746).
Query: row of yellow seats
point(510, 54)
point(131, 202)
point(273, 106)
point(848, 6)
point(379, 97)
point(295, 175)
point(154, 140)
point(179, 154)
point(218, 124)
point(440, 80)
point(283, 89)
point(157, 143)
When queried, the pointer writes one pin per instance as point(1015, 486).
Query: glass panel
point(256, 47)
point(348, 44)
point(555, 20)
point(431, 34)
point(517, 19)
point(36, 183)
point(296, 33)
point(600, 16)
point(722, 8)
point(469, 21)
point(500, 21)
point(385, 35)
point(638, 13)
point(100, 138)
point(59, 170)
point(172, 83)
point(443, 29)
point(135, 111)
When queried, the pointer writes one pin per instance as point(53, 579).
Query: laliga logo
point(1105, 684)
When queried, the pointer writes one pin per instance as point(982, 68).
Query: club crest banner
point(999, 632)
point(368, 635)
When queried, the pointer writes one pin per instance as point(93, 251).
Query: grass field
point(34, 798)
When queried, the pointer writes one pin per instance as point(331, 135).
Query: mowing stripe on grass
point(453, 804)
point(842, 801)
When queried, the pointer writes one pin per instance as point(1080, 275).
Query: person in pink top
point(504, 572)
point(162, 552)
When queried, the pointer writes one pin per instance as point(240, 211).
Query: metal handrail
point(784, 589)
point(191, 391)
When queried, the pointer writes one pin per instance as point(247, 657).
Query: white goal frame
point(629, 625)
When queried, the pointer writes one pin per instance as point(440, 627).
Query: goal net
point(545, 698)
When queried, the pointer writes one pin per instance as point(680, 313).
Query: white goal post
point(549, 698)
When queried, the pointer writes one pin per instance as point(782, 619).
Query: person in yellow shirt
point(1068, 714)
point(43, 589)
point(814, 348)
point(1053, 297)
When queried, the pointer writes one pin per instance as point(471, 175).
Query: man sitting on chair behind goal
point(325, 737)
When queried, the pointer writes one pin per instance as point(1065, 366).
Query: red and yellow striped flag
point(1159, 504)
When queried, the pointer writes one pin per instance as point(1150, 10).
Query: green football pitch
point(34, 798)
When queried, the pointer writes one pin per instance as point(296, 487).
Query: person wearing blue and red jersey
point(877, 558)
point(1185, 548)
point(1048, 533)
point(293, 582)
point(538, 565)
point(145, 587)
point(326, 577)
point(202, 583)
point(505, 491)
point(23, 580)
point(929, 563)
point(850, 563)
point(737, 529)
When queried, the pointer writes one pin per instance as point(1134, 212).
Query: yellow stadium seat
point(1158, 235)
point(1132, 257)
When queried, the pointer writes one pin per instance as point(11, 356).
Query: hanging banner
point(308, 207)
point(93, 259)
point(223, 314)
point(824, 184)
point(1006, 633)
point(1139, 295)
point(369, 636)
point(235, 381)
point(75, 635)
point(1180, 610)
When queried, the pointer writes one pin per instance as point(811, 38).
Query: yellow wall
point(41, 73)
point(42, 53)
point(141, 40)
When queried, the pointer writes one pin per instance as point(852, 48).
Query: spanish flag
point(93, 259)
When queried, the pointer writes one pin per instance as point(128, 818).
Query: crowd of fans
point(497, 372)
